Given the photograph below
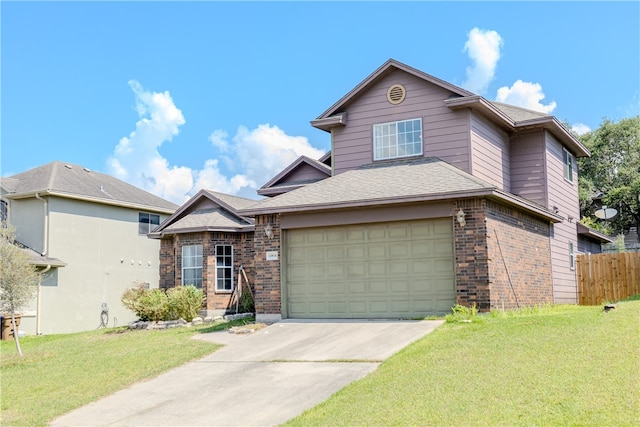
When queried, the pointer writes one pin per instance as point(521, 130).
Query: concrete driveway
point(259, 379)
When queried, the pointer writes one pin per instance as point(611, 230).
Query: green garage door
point(399, 269)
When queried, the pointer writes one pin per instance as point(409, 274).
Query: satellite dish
point(606, 213)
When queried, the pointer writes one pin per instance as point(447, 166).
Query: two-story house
point(437, 196)
point(430, 196)
point(87, 232)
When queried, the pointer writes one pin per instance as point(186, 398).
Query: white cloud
point(257, 156)
point(526, 95)
point(483, 48)
point(580, 128)
point(252, 156)
point(136, 158)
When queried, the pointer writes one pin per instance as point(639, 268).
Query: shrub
point(156, 304)
point(185, 302)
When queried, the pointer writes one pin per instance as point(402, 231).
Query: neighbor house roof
point(38, 259)
point(393, 182)
point(77, 182)
point(282, 182)
point(207, 211)
point(510, 117)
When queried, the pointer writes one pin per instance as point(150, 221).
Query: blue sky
point(173, 97)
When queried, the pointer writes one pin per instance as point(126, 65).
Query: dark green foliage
point(613, 170)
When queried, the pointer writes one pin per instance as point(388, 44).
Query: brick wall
point(268, 294)
point(503, 257)
point(520, 258)
point(171, 263)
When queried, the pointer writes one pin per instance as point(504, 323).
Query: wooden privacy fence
point(607, 277)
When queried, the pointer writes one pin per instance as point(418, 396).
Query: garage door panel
point(335, 253)
point(377, 269)
point(356, 271)
point(385, 270)
point(355, 288)
point(337, 307)
point(378, 287)
point(377, 251)
point(377, 233)
point(356, 253)
point(400, 286)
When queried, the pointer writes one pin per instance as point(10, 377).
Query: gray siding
point(564, 196)
point(528, 177)
point(490, 152)
point(445, 132)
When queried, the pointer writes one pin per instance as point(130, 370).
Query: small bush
point(184, 302)
point(156, 304)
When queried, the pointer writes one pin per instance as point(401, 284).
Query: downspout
point(38, 306)
point(45, 240)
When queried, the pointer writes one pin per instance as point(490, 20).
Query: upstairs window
point(568, 161)
point(397, 139)
point(192, 266)
point(147, 222)
point(224, 268)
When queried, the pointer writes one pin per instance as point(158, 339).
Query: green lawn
point(63, 372)
point(564, 365)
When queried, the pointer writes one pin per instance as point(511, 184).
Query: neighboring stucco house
point(436, 196)
point(88, 232)
point(204, 243)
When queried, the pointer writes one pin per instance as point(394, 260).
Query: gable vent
point(396, 94)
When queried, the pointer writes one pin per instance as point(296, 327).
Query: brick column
point(472, 256)
point(268, 295)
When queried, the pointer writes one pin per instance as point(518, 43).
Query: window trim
point(200, 267)
point(374, 145)
point(568, 162)
point(218, 289)
point(150, 225)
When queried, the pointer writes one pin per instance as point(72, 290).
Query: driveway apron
point(259, 379)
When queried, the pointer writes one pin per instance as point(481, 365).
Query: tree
point(611, 176)
point(18, 278)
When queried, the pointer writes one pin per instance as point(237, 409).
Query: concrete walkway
point(259, 379)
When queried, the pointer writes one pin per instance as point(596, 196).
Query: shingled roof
point(77, 182)
point(207, 211)
point(393, 182)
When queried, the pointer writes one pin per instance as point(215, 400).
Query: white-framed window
point(397, 139)
point(568, 161)
point(572, 256)
point(147, 222)
point(224, 268)
point(192, 265)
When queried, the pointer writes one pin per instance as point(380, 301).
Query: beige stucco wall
point(104, 256)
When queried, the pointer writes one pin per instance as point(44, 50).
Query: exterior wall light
point(460, 218)
point(268, 231)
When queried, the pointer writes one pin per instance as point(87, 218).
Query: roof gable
point(77, 182)
point(207, 211)
point(386, 68)
point(301, 172)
